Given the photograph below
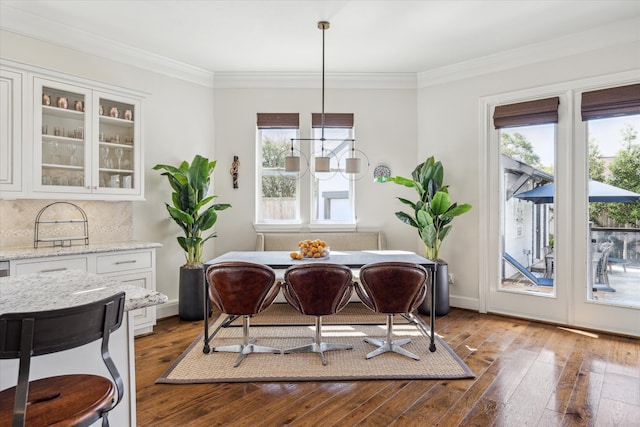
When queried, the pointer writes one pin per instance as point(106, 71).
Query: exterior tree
point(519, 148)
point(625, 173)
point(596, 172)
point(273, 154)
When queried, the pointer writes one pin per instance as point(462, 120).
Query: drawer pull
point(51, 270)
point(131, 261)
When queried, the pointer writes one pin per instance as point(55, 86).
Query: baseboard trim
point(464, 302)
point(168, 309)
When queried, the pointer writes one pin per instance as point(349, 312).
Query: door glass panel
point(63, 138)
point(527, 158)
point(116, 141)
point(614, 218)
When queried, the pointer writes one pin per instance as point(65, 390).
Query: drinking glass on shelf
point(118, 152)
point(104, 153)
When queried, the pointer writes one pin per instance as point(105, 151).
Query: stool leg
point(318, 346)
point(247, 346)
point(389, 344)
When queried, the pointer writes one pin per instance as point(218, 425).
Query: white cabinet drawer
point(44, 266)
point(123, 261)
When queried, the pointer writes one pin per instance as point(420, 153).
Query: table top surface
point(352, 259)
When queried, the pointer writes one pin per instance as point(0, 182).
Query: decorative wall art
point(234, 171)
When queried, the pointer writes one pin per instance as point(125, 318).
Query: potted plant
point(190, 184)
point(431, 215)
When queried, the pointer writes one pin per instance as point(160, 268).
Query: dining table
point(281, 260)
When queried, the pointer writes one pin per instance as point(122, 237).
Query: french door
point(540, 250)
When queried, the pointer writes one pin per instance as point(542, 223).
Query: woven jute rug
point(282, 327)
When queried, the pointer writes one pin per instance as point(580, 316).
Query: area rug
point(282, 327)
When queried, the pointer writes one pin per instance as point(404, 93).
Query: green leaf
point(440, 203)
point(407, 219)
point(206, 220)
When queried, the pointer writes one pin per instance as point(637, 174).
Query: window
point(332, 196)
point(527, 155)
point(278, 200)
point(612, 117)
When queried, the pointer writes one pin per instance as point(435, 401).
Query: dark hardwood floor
point(528, 373)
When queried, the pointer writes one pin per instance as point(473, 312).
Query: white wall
point(178, 123)
point(449, 128)
point(440, 120)
point(385, 129)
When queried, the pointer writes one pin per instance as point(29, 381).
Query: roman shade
point(332, 120)
point(527, 113)
point(278, 120)
point(611, 102)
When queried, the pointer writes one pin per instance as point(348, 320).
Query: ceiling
point(281, 36)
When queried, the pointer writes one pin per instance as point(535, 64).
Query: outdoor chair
point(537, 281)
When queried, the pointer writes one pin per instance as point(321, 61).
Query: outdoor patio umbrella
point(598, 192)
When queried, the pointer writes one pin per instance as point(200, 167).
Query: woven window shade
point(332, 120)
point(278, 120)
point(527, 113)
point(612, 102)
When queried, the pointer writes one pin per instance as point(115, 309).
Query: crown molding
point(599, 38)
point(240, 80)
point(34, 26)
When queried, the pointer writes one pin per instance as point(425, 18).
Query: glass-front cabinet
point(86, 142)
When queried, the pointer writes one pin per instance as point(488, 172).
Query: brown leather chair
point(392, 288)
point(318, 290)
point(242, 289)
point(72, 399)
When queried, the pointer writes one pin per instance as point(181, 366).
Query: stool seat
point(62, 400)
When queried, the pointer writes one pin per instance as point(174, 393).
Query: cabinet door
point(62, 156)
point(10, 130)
point(118, 138)
point(144, 319)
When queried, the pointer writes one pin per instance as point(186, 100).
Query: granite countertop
point(62, 289)
point(49, 251)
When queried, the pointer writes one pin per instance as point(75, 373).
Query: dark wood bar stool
point(318, 290)
point(242, 289)
point(65, 400)
point(392, 288)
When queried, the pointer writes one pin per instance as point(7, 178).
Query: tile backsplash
point(108, 221)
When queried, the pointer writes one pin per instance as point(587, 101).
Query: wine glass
point(71, 149)
point(118, 152)
point(104, 153)
point(53, 149)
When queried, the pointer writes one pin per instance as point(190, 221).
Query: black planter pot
point(442, 293)
point(191, 294)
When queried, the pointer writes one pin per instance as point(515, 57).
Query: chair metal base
point(389, 345)
point(247, 347)
point(318, 346)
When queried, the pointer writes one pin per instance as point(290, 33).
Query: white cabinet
point(137, 267)
point(11, 95)
point(87, 142)
point(64, 137)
